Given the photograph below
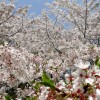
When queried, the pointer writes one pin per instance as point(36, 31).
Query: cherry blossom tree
point(11, 20)
point(85, 16)
point(48, 56)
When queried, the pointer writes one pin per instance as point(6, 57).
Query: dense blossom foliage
point(51, 56)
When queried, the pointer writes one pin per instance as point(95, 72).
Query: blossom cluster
point(18, 69)
point(84, 83)
point(17, 65)
point(43, 59)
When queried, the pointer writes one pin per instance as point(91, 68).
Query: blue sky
point(37, 5)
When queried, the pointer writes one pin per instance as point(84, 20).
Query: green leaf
point(31, 98)
point(47, 84)
point(7, 97)
point(28, 98)
point(46, 79)
point(97, 61)
point(37, 86)
point(2, 42)
point(34, 98)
